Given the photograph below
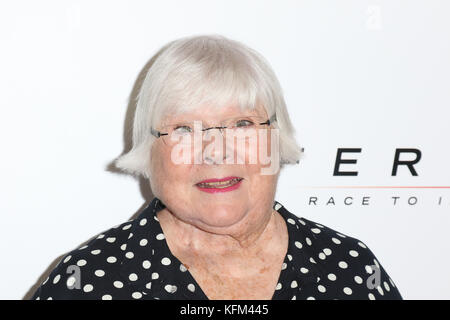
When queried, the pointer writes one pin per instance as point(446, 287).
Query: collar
point(152, 254)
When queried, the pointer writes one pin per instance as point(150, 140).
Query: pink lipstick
point(219, 185)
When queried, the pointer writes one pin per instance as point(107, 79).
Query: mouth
point(220, 185)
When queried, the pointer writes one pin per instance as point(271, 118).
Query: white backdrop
point(372, 74)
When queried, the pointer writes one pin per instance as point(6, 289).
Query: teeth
point(221, 184)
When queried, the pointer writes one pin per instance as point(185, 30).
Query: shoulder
point(326, 236)
point(345, 264)
point(349, 262)
point(93, 264)
point(321, 237)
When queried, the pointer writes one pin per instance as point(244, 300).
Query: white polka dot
point(111, 239)
point(100, 236)
point(380, 290)
point(392, 283)
point(129, 255)
point(67, 258)
point(56, 279)
point(386, 286)
point(118, 284)
point(49, 298)
point(278, 287)
point(302, 222)
point(99, 273)
point(371, 296)
point(291, 221)
point(315, 230)
point(106, 297)
point(155, 275)
point(348, 291)
point(362, 245)
point(294, 284)
point(170, 288)
point(322, 256)
point(335, 240)
point(310, 298)
point(358, 279)
point(277, 206)
point(312, 260)
point(123, 247)
point(191, 287)
point(126, 227)
point(369, 269)
point(353, 253)
point(160, 236)
point(146, 264)
point(136, 295)
point(327, 251)
point(304, 270)
point(143, 222)
point(133, 277)
point(298, 244)
point(165, 261)
point(343, 264)
point(376, 263)
point(340, 235)
point(83, 247)
point(81, 262)
point(182, 268)
point(96, 252)
point(332, 276)
point(88, 288)
point(148, 285)
point(321, 288)
point(130, 235)
point(283, 266)
point(308, 241)
point(143, 242)
point(111, 259)
point(289, 257)
point(71, 281)
point(294, 298)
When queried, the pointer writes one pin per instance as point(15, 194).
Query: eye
point(182, 129)
point(243, 123)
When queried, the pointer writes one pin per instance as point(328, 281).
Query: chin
point(222, 218)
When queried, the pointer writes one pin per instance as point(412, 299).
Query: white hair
point(202, 69)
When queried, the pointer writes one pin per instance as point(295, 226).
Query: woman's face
point(231, 211)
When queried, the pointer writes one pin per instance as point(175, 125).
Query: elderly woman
point(211, 133)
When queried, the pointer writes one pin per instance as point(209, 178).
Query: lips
point(217, 185)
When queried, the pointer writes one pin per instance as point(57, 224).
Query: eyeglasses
point(183, 133)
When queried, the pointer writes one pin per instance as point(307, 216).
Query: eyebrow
point(184, 121)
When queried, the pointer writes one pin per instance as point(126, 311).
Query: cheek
point(265, 143)
point(261, 186)
point(165, 174)
point(258, 152)
point(174, 177)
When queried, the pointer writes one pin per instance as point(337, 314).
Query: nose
point(213, 151)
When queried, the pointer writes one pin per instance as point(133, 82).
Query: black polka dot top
point(133, 261)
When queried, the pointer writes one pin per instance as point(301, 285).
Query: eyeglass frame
point(158, 134)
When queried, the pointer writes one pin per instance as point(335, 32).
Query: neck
point(194, 246)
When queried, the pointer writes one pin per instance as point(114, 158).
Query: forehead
point(213, 113)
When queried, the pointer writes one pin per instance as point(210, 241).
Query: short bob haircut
point(212, 69)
